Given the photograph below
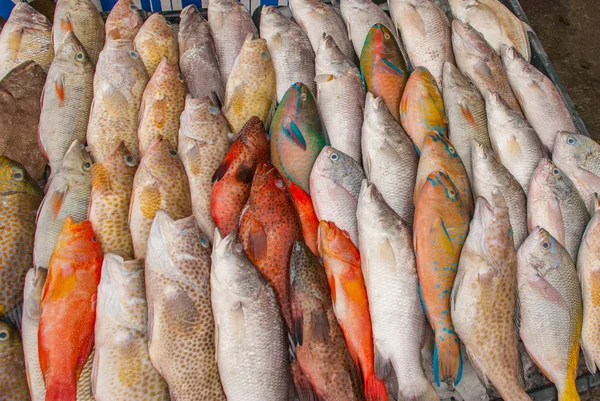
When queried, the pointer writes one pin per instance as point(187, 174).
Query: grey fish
point(13, 381)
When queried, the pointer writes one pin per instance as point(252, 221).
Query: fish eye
point(172, 152)
point(440, 174)
point(133, 54)
point(304, 97)
point(555, 171)
point(334, 157)
point(264, 55)
point(386, 35)
point(130, 160)
point(180, 76)
point(451, 149)
point(279, 184)
point(213, 110)
point(133, 7)
point(79, 56)
point(4, 335)
point(571, 141)
point(204, 242)
point(452, 192)
point(471, 84)
point(94, 239)
point(87, 165)
point(17, 176)
point(239, 248)
point(546, 245)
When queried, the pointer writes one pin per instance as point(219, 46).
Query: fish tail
point(375, 389)
point(447, 361)
point(569, 392)
point(60, 391)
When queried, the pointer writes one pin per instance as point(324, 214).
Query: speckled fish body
point(203, 143)
point(119, 83)
point(112, 182)
point(290, 49)
point(440, 229)
point(124, 21)
point(334, 187)
point(465, 109)
point(154, 41)
point(550, 309)
point(389, 158)
point(83, 19)
point(383, 67)
point(307, 215)
point(27, 35)
point(426, 34)
point(422, 108)
point(230, 23)
point(68, 194)
point(296, 135)
point(181, 325)
point(198, 57)
point(253, 363)
point(390, 274)
point(489, 174)
point(66, 100)
point(13, 380)
point(341, 97)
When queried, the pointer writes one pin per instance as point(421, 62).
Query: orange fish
point(233, 177)
point(68, 309)
point(269, 227)
point(342, 265)
point(308, 217)
point(440, 228)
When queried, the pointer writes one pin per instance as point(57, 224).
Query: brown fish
point(155, 40)
point(124, 20)
point(13, 380)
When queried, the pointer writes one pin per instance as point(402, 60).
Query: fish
point(83, 19)
point(124, 21)
point(554, 205)
point(484, 298)
point(67, 195)
point(541, 102)
point(291, 51)
point(497, 24)
point(160, 182)
point(26, 36)
point(13, 380)
point(251, 337)
point(154, 41)
point(383, 67)
point(162, 103)
point(317, 20)
point(334, 187)
point(32, 295)
point(389, 158)
point(515, 143)
point(390, 274)
point(296, 135)
point(232, 179)
point(203, 143)
point(198, 57)
point(20, 197)
point(422, 108)
point(478, 61)
point(341, 97)
point(230, 23)
point(488, 175)
point(440, 155)
point(465, 109)
point(426, 34)
point(550, 309)
point(307, 215)
point(181, 327)
point(578, 156)
point(68, 308)
point(341, 260)
point(20, 92)
point(269, 227)
point(112, 183)
point(440, 229)
point(66, 100)
point(320, 347)
point(119, 83)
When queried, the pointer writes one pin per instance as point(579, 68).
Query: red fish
point(308, 217)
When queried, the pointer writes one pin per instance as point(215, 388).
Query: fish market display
point(13, 380)
point(27, 35)
point(383, 67)
point(159, 183)
point(121, 336)
point(390, 274)
point(203, 143)
point(296, 135)
point(251, 87)
point(422, 108)
point(291, 51)
point(253, 362)
point(426, 34)
point(230, 23)
point(484, 298)
point(181, 326)
point(68, 195)
point(66, 328)
point(307, 215)
point(550, 309)
point(389, 158)
point(341, 97)
point(20, 197)
point(162, 103)
point(154, 41)
point(66, 100)
point(124, 21)
point(198, 57)
point(233, 177)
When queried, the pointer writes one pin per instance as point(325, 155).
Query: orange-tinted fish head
point(335, 242)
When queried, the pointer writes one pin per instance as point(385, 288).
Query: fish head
point(124, 20)
point(541, 252)
point(441, 144)
point(549, 177)
point(298, 100)
point(77, 241)
point(272, 19)
point(167, 78)
point(336, 243)
point(372, 208)
point(15, 179)
point(10, 342)
point(306, 272)
point(120, 162)
point(467, 42)
point(487, 168)
point(329, 54)
point(267, 184)
point(335, 165)
point(194, 30)
point(378, 38)
point(454, 80)
point(72, 52)
point(24, 15)
point(160, 159)
point(254, 54)
point(77, 161)
point(32, 292)
point(200, 112)
point(376, 112)
point(254, 137)
point(440, 187)
point(571, 149)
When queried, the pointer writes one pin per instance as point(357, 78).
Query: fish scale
point(124, 21)
point(13, 381)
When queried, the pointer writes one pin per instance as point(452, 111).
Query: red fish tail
point(60, 390)
point(375, 389)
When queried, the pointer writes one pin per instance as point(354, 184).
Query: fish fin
point(449, 362)
point(392, 66)
point(15, 316)
point(590, 362)
point(183, 312)
point(466, 112)
point(383, 366)
point(297, 320)
point(65, 24)
point(456, 287)
point(276, 41)
point(302, 385)
point(320, 325)
point(149, 202)
point(244, 173)
point(257, 239)
point(57, 199)
point(362, 78)
point(59, 88)
point(546, 290)
point(477, 367)
point(375, 389)
point(223, 167)
point(100, 178)
point(294, 133)
point(322, 78)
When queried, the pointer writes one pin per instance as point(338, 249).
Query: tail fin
point(447, 360)
point(375, 389)
point(568, 392)
point(60, 391)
